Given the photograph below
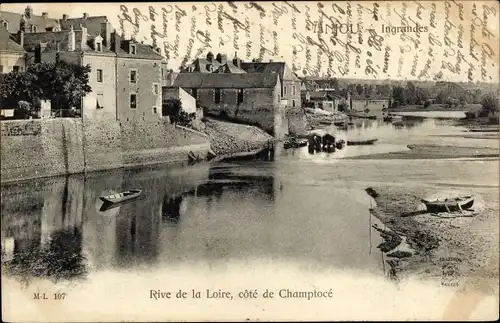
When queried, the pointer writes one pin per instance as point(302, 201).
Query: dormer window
point(34, 28)
point(133, 49)
point(5, 24)
point(98, 44)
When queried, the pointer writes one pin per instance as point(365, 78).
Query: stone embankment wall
point(50, 147)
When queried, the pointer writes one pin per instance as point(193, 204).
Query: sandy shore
point(434, 152)
point(469, 240)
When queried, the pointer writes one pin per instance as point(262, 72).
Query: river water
point(298, 221)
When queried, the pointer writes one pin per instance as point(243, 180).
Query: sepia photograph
point(250, 161)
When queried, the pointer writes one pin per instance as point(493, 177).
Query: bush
point(427, 104)
point(469, 115)
point(493, 120)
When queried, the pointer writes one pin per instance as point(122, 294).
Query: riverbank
point(227, 138)
point(471, 241)
point(434, 152)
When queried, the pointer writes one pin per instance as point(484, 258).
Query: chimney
point(84, 35)
point(28, 12)
point(45, 15)
point(85, 15)
point(106, 34)
point(116, 42)
point(71, 39)
point(65, 17)
point(20, 35)
point(221, 58)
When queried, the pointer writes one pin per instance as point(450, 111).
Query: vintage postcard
point(250, 161)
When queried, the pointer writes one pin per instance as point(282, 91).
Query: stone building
point(253, 98)
point(290, 83)
point(125, 75)
point(139, 82)
point(11, 53)
point(28, 22)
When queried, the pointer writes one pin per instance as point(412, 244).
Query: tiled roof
point(202, 65)
point(142, 50)
point(230, 68)
point(7, 44)
point(14, 20)
point(324, 95)
point(371, 97)
point(228, 81)
point(93, 24)
point(254, 67)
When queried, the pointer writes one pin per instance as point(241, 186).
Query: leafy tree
point(441, 97)
point(398, 95)
point(64, 84)
point(490, 104)
point(172, 108)
point(427, 104)
point(343, 106)
point(359, 89)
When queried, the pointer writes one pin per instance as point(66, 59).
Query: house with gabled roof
point(290, 82)
point(12, 54)
point(250, 97)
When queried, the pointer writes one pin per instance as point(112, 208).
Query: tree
point(64, 84)
point(441, 97)
point(343, 106)
point(490, 104)
point(172, 108)
point(398, 95)
point(359, 89)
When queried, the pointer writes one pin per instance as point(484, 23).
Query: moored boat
point(449, 204)
point(361, 142)
point(121, 197)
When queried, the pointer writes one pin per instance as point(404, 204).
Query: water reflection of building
point(44, 224)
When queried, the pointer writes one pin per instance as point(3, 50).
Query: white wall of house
point(188, 102)
point(9, 60)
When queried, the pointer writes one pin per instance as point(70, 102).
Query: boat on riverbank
point(449, 204)
point(121, 197)
point(361, 142)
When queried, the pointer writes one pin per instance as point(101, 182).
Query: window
point(154, 110)
point(100, 100)
point(217, 96)
point(99, 47)
point(132, 49)
point(99, 76)
point(240, 95)
point(293, 103)
point(34, 28)
point(133, 76)
point(293, 89)
point(133, 101)
point(194, 92)
point(284, 90)
point(156, 89)
point(15, 69)
point(5, 24)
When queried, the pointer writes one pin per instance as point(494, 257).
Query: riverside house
point(125, 74)
point(249, 97)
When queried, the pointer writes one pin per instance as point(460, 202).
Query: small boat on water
point(294, 143)
point(361, 142)
point(449, 204)
point(121, 197)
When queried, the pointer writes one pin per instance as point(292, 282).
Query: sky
point(442, 40)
